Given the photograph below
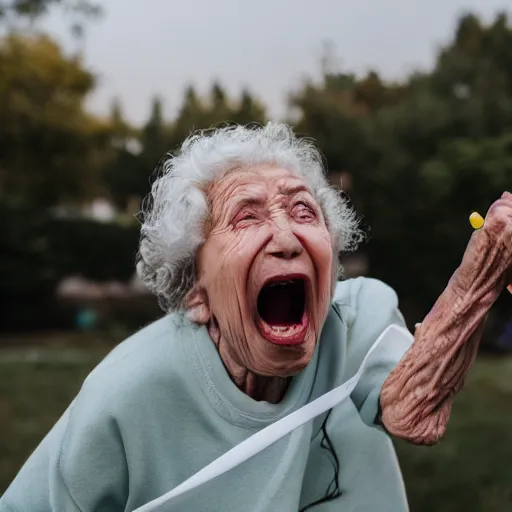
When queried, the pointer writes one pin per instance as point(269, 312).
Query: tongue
point(276, 305)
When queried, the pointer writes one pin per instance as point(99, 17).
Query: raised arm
point(417, 397)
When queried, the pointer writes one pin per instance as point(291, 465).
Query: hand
point(498, 224)
point(488, 256)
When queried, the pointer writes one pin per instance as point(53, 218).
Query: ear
point(198, 309)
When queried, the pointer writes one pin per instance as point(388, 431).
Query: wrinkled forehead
point(258, 183)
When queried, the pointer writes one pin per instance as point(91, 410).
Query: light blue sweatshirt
point(161, 406)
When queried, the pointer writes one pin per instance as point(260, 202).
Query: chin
point(286, 360)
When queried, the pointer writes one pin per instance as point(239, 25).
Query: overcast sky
point(145, 47)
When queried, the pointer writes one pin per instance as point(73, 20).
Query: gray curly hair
point(174, 212)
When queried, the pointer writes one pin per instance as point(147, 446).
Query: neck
point(258, 387)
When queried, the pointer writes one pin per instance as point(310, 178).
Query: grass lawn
point(469, 471)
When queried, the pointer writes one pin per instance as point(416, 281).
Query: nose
point(284, 244)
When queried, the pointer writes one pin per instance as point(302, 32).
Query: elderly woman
point(240, 243)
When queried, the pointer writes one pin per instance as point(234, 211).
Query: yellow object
point(476, 220)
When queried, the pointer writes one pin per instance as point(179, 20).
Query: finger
point(499, 205)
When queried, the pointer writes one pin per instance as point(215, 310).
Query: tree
point(12, 12)
point(331, 113)
point(249, 110)
point(51, 154)
point(200, 114)
point(118, 123)
point(36, 8)
point(219, 107)
point(50, 148)
point(218, 98)
point(192, 105)
point(191, 116)
point(474, 73)
point(155, 137)
point(422, 154)
point(124, 174)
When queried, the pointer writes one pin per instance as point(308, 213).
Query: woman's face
point(266, 269)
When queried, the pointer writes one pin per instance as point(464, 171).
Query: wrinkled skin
point(417, 397)
point(263, 223)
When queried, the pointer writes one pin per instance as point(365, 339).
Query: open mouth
point(282, 310)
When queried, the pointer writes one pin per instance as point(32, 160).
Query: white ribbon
point(398, 336)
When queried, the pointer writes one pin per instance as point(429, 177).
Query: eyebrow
point(261, 200)
point(291, 191)
point(249, 201)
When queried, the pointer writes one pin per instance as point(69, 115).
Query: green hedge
point(94, 250)
point(37, 251)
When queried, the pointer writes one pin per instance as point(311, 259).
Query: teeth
point(282, 283)
point(284, 329)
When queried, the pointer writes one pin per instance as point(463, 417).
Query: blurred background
point(411, 103)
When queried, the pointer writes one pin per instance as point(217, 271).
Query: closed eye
point(244, 218)
point(303, 212)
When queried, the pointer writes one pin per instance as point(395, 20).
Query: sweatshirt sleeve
point(79, 467)
point(370, 307)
